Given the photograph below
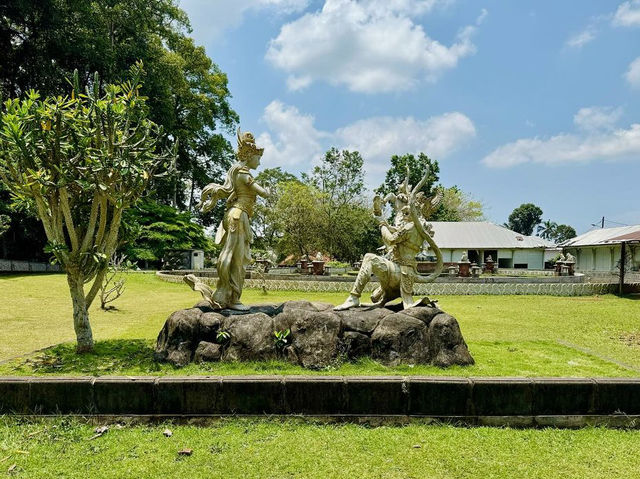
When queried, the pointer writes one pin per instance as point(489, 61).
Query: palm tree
point(547, 229)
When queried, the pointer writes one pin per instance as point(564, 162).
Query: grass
point(507, 335)
point(243, 448)
point(516, 335)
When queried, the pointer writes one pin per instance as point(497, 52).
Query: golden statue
point(403, 240)
point(234, 232)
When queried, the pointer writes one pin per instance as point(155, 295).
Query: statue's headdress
point(247, 146)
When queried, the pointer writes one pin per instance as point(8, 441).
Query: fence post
point(623, 260)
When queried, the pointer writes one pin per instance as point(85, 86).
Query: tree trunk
point(84, 336)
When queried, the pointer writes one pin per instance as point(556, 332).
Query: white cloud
point(293, 140)
point(627, 14)
point(581, 39)
point(597, 140)
point(632, 75)
point(210, 19)
point(597, 118)
point(367, 45)
point(482, 17)
point(380, 137)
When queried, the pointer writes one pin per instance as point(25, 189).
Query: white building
point(600, 249)
point(480, 239)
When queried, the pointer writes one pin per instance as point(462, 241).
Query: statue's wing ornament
point(377, 206)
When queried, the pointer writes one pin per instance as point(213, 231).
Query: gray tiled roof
point(603, 236)
point(482, 235)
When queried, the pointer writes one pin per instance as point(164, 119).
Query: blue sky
point(519, 101)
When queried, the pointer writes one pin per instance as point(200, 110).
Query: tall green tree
point(457, 206)
point(298, 219)
point(80, 161)
point(552, 231)
point(547, 229)
point(563, 233)
point(524, 218)
point(344, 212)
point(43, 41)
point(417, 166)
point(265, 221)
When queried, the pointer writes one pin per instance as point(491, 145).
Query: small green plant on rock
point(223, 337)
point(281, 339)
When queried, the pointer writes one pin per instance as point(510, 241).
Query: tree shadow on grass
point(631, 296)
point(112, 357)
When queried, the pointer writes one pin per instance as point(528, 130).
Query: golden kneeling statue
point(403, 240)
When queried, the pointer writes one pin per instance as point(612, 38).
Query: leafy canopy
point(455, 204)
point(152, 229)
point(524, 218)
point(79, 161)
point(552, 231)
point(44, 41)
point(348, 227)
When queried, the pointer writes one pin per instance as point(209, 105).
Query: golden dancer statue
point(234, 232)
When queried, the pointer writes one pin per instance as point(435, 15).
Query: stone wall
point(567, 402)
point(8, 265)
point(466, 288)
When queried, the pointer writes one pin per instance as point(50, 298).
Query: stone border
point(488, 401)
point(18, 266)
point(537, 288)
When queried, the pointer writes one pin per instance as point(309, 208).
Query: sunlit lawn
point(507, 335)
point(242, 448)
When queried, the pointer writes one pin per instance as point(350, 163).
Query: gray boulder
point(318, 336)
point(251, 338)
point(446, 344)
point(400, 338)
point(207, 352)
point(314, 337)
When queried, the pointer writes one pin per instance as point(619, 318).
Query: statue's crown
point(247, 145)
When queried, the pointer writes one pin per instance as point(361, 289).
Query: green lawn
point(238, 448)
point(507, 335)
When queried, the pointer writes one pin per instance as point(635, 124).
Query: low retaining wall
point(444, 288)
point(8, 265)
point(523, 401)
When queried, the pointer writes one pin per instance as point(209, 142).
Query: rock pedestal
point(318, 336)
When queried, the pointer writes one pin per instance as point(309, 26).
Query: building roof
point(603, 236)
point(482, 235)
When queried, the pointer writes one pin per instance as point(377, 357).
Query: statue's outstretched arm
point(249, 181)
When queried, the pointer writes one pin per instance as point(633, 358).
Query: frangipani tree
point(80, 161)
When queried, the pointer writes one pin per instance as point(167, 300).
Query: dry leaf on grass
point(100, 431)
point(185, 452)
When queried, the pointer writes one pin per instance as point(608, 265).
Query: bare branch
point(93, 217)
point(66, 211)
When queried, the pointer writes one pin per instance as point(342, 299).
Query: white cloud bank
point(293, 139)
point(368, 45)
point(210, 19)
point(596, 118)
point(597, 139)
point(627, 14)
